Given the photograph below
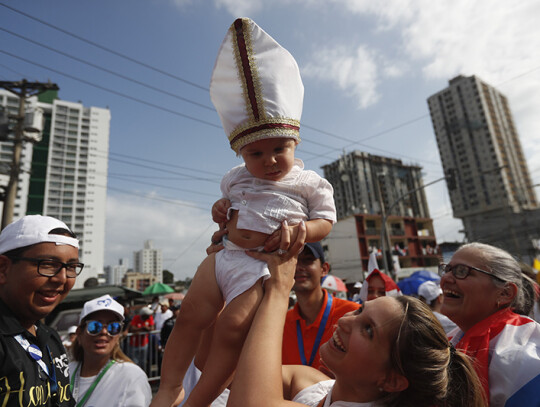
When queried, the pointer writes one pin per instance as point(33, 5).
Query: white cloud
point(183, 233)
point(496, 40)
point(240, 8)
point(354, 72)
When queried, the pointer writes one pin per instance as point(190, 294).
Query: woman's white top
point(124, 384)
point(311, 396)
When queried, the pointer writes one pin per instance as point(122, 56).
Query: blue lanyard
point(318, 338)
point(36, 355)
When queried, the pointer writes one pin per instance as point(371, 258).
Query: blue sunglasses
point(95, 327)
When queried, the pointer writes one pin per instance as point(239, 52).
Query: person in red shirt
point(312, 320)
point(138, 343)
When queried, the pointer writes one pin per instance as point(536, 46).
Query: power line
point(144, 102)
point(166, 186)
point(206, 89)
point(154, 198)
point(119, 75)
point(153, 68)
point(157, 169)
point(198, 170)
point(204, 121)
point(192, 244)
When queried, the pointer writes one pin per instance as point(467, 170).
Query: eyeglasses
point(50, 268)
point(95, 327)
point(461, 271)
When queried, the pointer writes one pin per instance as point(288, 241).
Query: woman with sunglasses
point(102, 375)
point(487, 296)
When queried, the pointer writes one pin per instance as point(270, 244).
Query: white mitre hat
point(256, 87)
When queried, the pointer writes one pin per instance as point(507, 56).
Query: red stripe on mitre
point(246, 68)
point(265, 126)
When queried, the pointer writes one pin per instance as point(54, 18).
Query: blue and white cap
point(103, 303)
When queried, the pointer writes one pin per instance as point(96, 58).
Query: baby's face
point(269, 159)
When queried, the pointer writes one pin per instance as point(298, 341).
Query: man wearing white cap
point(258, 94)
point(39, 261)
point(431, 293)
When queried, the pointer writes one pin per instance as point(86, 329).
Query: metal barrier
point(144, 349)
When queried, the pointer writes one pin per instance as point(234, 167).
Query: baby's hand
point(220, 209)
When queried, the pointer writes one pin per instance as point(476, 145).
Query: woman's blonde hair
point(438, 374)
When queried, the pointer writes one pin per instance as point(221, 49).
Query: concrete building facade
point(149, 261)
point(480, 148)
point(363, 181)
point(65, 174)
point(115, 274)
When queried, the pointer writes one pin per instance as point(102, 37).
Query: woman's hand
point(258, 380)
point(282, 262)
point(274, 240)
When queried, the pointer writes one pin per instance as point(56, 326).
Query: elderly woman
point(390, 352)
point(484, 294)
point(102, 375)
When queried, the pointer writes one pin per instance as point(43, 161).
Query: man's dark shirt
point(22, 382)
point(166, 330)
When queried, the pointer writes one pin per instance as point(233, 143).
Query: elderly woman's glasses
point(95, 327)
point(461, 271)
point(50, 268)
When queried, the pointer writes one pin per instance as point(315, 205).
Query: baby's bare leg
point(230, 333)
point(199, 310)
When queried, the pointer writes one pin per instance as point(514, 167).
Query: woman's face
point(101, 344)
point(359, 351)
point(376, 287)
point(469, 301)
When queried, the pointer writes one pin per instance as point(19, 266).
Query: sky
point(367, 66)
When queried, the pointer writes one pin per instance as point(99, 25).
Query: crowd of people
point(237, 340)
point(389, 350)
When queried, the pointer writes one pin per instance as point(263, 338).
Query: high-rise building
point(65, 174)
point(149, 261)
point(115, 274)
point(362, 181)
point(491, 190)
point(367, 190)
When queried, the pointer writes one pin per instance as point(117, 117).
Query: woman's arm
point(258, 380)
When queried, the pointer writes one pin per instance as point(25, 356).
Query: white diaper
point(236, 272)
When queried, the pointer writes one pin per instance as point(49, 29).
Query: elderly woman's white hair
point(502, 265)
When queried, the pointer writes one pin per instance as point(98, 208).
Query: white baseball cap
point(103, 303)
point(34, 229)
point(72, 329)
point(146, 311)
point(429, 290)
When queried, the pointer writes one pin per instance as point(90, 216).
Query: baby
point(258, 93)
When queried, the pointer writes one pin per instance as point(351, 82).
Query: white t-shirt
point(124, 384)
point(161, 317)
point(311, 396)
point(262, 204)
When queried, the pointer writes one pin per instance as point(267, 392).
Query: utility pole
point(385, 216)
point(22, 89)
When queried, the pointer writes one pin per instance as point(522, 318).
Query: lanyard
point(92, 386)
point(36, 355)
point(318, 338)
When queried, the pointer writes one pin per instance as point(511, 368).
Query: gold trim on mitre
point(259, 126)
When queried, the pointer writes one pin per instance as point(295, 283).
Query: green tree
point(168, 277)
